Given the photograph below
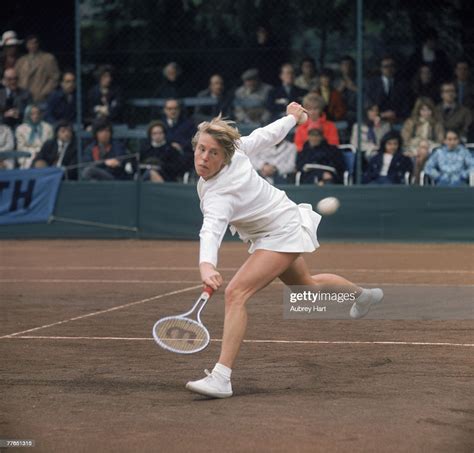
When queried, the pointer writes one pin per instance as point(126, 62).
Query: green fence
point(171, 211)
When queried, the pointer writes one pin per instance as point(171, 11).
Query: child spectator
point(37, 71)
point(389, 165)
point(314, 104)
point(452, 163)
point(106, 152)
point(32, 134)
point(317, 151)
point(371, 131)
point(165, 162)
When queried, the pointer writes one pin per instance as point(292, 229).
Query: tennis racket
point(184, 334)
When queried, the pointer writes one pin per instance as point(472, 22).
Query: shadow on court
point(80, 371)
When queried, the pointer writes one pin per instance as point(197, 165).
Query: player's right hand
point(210, 276)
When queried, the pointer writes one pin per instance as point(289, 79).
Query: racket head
point(181, 335)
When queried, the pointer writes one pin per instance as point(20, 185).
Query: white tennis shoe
point(361, 307)
point(213, 385)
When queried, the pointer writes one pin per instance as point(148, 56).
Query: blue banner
point(28, 196)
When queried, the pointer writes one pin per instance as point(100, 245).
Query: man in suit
point(61, 104)
point(453, 115)
point(389, 92)
point(13, 99)
point(280, 96)
point(59, 151)
point(464, 84)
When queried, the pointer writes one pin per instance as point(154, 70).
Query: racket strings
point(181, 334)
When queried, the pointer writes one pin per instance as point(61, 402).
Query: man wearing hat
point(10, 50)
point(37, 71)
point(250, 99)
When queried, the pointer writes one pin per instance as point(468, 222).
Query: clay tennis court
point(80, 371)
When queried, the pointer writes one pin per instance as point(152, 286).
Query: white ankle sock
point(222, 370)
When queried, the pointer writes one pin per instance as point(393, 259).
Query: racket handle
point(208, 290)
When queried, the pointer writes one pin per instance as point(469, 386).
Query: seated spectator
point(454, 116)
point(179, 130)
point(279, 97)
point(13, 99)
point(419, 157)
point(389, 92)
point(108, 154)
point(371, 132)
point(7, 143)
point(32, 134)
point(314, 104)
point(165, 162)
point(61, 103)
point(276, 162)
point(389, 165)
point(216, 90)
point(423, 84)
point(10, 50)
point(464, 84)
point(424, 124)
point(335, 108)
point(172, 84)
point(250, 100)
point(105, 98)
point(308, 79)
point(317, 151)
point(347, 86)
point(451, 164)
point(429, 53)
point(60, 151)
point(37, 71)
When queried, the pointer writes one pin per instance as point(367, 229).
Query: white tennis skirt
point(294, 232)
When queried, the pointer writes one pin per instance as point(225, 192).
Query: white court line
point(314, 342)
point(95, 313)
point(195, 268)
point(16, 280)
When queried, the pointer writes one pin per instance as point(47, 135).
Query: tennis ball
point(328, 206)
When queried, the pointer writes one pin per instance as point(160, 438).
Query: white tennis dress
point(259, 212)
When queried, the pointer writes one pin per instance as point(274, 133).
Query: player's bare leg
point(298, 274)
point(260, 269)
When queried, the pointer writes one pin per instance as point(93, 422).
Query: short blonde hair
point(223, 132)
point(312, 100)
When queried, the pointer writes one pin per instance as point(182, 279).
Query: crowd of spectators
point(418, 117)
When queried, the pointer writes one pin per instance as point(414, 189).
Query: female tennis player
point(279, 231)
